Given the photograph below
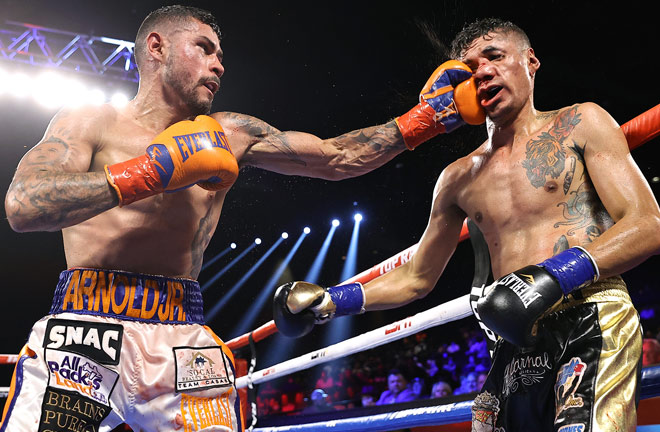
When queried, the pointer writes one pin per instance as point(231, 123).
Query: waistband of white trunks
point(129, 296)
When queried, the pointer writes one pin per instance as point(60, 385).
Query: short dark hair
point(481, 28)
point(169, 14)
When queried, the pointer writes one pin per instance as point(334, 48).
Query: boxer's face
point(193, 66)
point(504, 71)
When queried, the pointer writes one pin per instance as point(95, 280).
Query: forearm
point(348, 155)
point(395, 288)
point(50, 201)
point(628, 243)
point(364, 150)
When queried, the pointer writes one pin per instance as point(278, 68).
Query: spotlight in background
point(357, 217)
point(233, 245)
point(257, 241)
point(335, 222)
point(306, 230)
point(285, 235)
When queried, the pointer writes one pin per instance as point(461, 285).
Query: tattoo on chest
point(582, 212)
point(545, 155)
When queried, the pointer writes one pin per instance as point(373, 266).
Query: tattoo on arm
point(282, 144)
point(52, 198)
point(379, 139)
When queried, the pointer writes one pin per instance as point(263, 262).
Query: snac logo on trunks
point(126, 295)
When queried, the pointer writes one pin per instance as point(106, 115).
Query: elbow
point(17, 219)
point(421, 289)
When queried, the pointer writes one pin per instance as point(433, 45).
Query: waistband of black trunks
point(129, 296)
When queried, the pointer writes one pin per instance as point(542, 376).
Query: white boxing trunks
point(118, 348)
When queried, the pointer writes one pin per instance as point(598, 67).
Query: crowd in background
point(417, 367)
point(426, 365)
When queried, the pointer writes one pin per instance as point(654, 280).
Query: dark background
point(328, 68)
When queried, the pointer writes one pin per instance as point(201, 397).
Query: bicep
point(616, 177)
point(439, 240)
point(63, 148)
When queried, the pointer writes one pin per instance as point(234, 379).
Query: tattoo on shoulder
point(545, 155)
point(547, 115)
point(51, 151)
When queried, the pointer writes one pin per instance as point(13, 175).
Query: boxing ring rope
point(450, 311)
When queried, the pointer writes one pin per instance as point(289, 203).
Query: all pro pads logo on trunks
point(79, 374)
point(201, 369)
point(100, 342)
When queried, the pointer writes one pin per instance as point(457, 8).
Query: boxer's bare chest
point(537, 190)
point(164, 234)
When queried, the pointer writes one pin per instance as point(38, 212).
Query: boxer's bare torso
point(165, 234)
point(532, 197)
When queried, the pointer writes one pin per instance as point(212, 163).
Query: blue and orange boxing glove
point(513, 304)
point(298, 306)
point(188, 152)
point(447, 101)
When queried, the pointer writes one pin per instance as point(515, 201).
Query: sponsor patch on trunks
point(569, 378)
point(76, 373)
point(485, 409)
point(64, 410)
point(201, 368)
point(100, 342)
point(578, 427)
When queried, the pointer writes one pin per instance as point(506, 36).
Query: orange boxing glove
point(447, 101)
point(186, 153)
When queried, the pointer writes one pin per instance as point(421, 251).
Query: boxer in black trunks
point(558, 188)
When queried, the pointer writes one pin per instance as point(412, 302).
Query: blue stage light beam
point(350, 265)
point(314, 271)
point(227, 296)
point(216, 258)
point(226, 268)
point(339, 328)
point(267, 293)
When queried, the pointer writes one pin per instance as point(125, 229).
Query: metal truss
point(47, 47)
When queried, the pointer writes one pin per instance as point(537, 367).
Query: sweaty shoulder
point(86, 124)
point(595, 127)
point(243, 131)
point(455, 178)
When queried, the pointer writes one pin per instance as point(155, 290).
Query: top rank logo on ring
point(201, 368)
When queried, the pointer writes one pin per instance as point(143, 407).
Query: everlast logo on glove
point(100, 342)
point(521, 288)
point(192, 143)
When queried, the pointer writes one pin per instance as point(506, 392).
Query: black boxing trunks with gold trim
point(122, 347)
point(582, 376)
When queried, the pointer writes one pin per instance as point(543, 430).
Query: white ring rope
point(450, 311)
